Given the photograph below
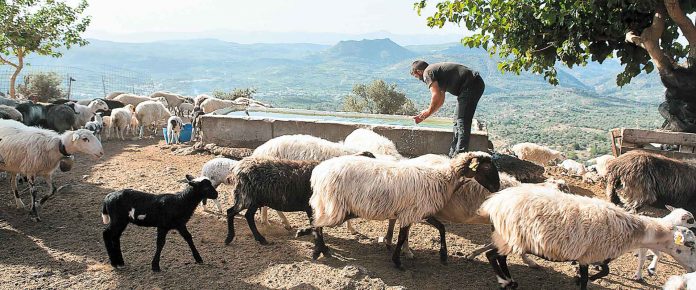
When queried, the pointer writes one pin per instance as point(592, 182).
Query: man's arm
point(436, 100)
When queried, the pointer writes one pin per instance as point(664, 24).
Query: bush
point(378, 98)
point(44, 86)
point(235, 94)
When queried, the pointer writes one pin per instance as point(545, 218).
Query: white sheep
point(149, 113)
point(367, 140)
point(507, 180)
point(135, 100)
point(174, 126)
point(348, 186)
point(186, 109)
point(564, 227)
point(120, 120)
point(573, 167)
point(681, 282)
point(85, 113)
point(134, 124)
point(676, 217)
point(214, 104)
point(107, 127)
point(600, 164)
point(113, 95)
point(538, 154)
point(10, 113)
point(173, 100)
point(36, 152)
point(198, 100)
point(217, 171)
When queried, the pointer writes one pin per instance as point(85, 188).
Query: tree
point(38, 26)
point(235, 94)
point(44, 86)
point(378, 98)
point(534, 35)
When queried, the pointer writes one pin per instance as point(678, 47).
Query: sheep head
point(202, 185)
point(680, 217)
point(97, 105)
point(480, 167)
point(83, 141)
point(682, 247)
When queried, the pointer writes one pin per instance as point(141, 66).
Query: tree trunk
point(679, 107)
point(18, 69)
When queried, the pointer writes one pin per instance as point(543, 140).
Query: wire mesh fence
point(82, 83)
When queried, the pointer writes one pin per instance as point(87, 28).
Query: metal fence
point(82, 83)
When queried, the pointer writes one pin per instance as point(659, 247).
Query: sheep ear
point(678, 238)
point(75, 136)
point(189, 178)
point(669, 207)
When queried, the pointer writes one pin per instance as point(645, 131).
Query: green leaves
point(378, 98)
point(535, 35)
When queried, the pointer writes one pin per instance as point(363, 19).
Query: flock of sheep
point(365, 177)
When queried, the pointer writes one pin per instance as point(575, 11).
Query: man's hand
point(422, 116)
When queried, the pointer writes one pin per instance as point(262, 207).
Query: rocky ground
point(65, 250)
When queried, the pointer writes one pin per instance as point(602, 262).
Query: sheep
point(198, 100)
point(173, 100)
point(186, 109)
point(136, 100)
point(149, 113)
point(164, 211)
point(96, 126)
point(573, 167)
point(110, 103)
point(10, 113)
point(107, 127)
point(406, 191)
point(638, 178)
point(8, 102)
point(36, 152)
point(217, 171)
point(213, 104)
point(113, 95)
point(600, 164)
point(174, 126)
point(676, 217)
point(85, 113)
point(507, 180)
point(364, 139)
point(538, 154)
point(134, 124)
point(121, 119)
point(681, 282)
point(522, 170)
point(562, 227)
point(55, 117)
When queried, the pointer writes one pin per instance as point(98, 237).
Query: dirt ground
point(65, 250)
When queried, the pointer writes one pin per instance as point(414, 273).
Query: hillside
point(299, 75)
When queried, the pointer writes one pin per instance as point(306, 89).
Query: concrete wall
point(250, 132)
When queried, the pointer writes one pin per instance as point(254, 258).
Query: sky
point(149, 17)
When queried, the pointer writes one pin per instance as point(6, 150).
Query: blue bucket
point(185, 135)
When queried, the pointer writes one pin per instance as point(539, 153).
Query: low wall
point(250, 132)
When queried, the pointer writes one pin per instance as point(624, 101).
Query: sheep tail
point(613, 184)
point(105, 215)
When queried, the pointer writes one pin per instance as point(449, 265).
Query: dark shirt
point(451, 77)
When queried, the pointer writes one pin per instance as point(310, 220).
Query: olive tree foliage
point(534, 35)
point(378, 98)
point(38, 26)
point(235, 94)
point(42, 86)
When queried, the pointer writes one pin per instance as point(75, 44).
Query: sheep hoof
point(263, 242)
point(199, 261)
point(638, 279)
point(228, 240)
point(512, 285)
point(315, 255)
point(288, 228)
point(156, 269)
point(651, 271)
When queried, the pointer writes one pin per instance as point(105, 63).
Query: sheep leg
point(161, 239)
point(284, 220)
point(34, 208)
point(531, 263)
point(187, 237)
point(231, 213)
point(479, 251)
point(319, 244)
point(13, 182)
point(499, 264)
point(112, 241)
point(351, 229)
point(390, 233)
point(443, 241)
point(264, 216)
point(403, 236)
point(602, 273)
point(641, 260)
point(217, 204)
point(583, 277)
point(142, 128)
point(249, 215)
point(653, 265)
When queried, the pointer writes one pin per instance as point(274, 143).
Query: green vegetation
point(235, 94)
point(42, 86)
point(38, 26)
point(378, 98)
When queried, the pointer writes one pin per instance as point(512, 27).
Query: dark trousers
point(466, 107)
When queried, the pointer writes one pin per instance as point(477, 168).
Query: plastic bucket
point(184, 136)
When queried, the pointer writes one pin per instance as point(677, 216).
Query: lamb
point(213, 104)
point(217, 171)
point(522, 170)
point(149, 113)
point(107, 127)
point(573, 167)
point(173, 100)
point(538, 154)
point(600, 164)
point(681, 282)
point(368, 140)
point(36, 152)
point(96, 126)
point(406, 191)
point(164, 211)
point(110, 103)
point(121, 119)
point(85, 113)
point(134, 124)
point(10, 113)
point(186, 109)
point(174, 126)
point(535, 220)
point(637, 178)
point(676, 217)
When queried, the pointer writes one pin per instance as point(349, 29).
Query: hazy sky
point(354, 17)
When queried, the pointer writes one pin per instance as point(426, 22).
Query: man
point(457, 80)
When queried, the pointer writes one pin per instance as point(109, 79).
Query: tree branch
point(649, 39)
point(5, 61)
point(687, 27)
